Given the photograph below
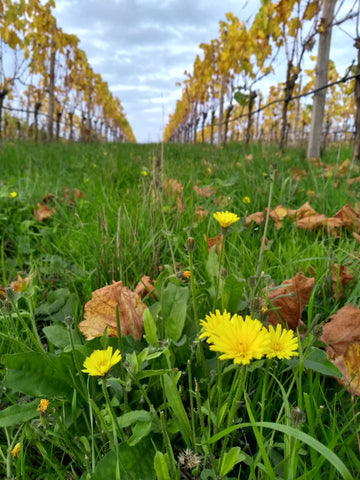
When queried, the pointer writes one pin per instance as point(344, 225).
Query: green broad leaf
point(212, 264)
point(231, 458)
point(317, 360)
point(18, 413)
point(133, 463)
point(140, 430)
point(233, 291)
point(174, 302)
point(38, 374)
point(207, 474)
point(161, 467)
point(312, 442)
point(150, 328)
point(55, 301)
point(177, 408)
point(57, 335)
point(129, 418)
point(152, 373)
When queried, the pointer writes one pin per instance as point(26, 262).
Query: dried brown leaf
point(341, 329)
point(340, 278)
point(288, 302)
point(100, 312)
point(145, 287)
point(42, 212)
point(214, 241)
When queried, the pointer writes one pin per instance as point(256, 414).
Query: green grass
point(170, 392)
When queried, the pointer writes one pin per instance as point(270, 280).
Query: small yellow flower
point(246, 200)
point(241, 340)
point(213, 323)
point(144, 173)
point(100, 361)
point(13, 194)
point(283, 343)
point(225, 219)
point(43, 405)
point(186, 274)
point(15, 451)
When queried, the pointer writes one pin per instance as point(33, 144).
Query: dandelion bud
point(9, 293)
point(297, 417)
point(267, 280)
point(255, 306)
point(317, 331)
point(190, 244)
point(252, 281)
point(69, 321)
point(223, 273)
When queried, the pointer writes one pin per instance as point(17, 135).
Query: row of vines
point(47, 87)
point(222, 98)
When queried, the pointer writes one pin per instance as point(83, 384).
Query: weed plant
point(170, 408)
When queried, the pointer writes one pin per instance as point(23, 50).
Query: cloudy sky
point(142, 47)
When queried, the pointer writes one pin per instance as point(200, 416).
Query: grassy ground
point(170, 408)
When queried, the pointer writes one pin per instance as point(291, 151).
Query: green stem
point(221, 258)
point(192, 289)
point(239, 391)
point(193, 428)
point(116, 426)
point(262, 247)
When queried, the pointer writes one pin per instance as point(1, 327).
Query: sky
point(141, 48)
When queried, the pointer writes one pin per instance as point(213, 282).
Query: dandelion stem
point(263, 240)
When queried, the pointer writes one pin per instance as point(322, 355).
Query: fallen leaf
point(288, 302)
point(78, 193)
point(200, 213)
point(48, 198)
point(180, 205)
point(304, 211)
point(257, 217)
point(214, 241)
point(313, 222)
point(223, 201)
point(204, 191)
point(349, 217)
point(42, 212)
point(341, 329)
point(356, 236)
point(340, 278)
point(297, 174)
point(348, 364)
point(278, 214)
point(100, 312)
point(20, 283)
point(172, 187)
point(145, 287)
point(350, 181)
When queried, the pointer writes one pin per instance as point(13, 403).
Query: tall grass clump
point(187, 377)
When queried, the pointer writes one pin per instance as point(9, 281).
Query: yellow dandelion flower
point(246, 200)
point(283, 343)
point(15, 451)
point(144, 173)
point(212, 325)
point(225, 219)
point(13, 194)
point(186, 274)
point(43, 406)
point(241, 340)
point(100, 361)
